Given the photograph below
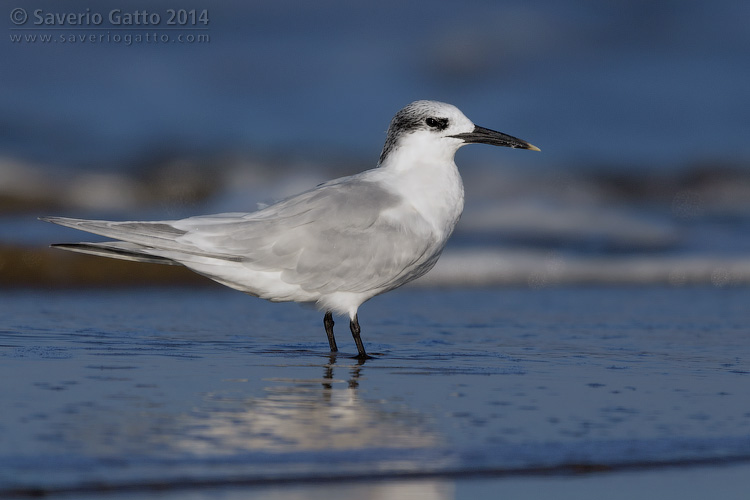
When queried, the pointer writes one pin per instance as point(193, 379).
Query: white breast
point(427, 178)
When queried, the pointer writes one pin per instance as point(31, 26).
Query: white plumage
point(338, 244)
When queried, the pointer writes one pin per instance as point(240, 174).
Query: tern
point(336, 245)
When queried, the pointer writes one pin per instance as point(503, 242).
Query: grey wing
point(337, 237)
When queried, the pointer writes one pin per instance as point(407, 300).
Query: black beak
point(481, 135)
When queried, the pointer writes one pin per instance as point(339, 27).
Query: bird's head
point(436, 129)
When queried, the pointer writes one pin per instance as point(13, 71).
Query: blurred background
point(640, 110)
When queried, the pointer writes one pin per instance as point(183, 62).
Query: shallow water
point(193, 390)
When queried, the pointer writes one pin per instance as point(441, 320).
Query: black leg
point(354, 327)
point(328, 323)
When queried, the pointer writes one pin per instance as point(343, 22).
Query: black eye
point(436, 123)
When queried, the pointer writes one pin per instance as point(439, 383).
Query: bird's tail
point(117, 250)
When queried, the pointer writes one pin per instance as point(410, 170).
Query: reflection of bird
point(338, 244)
point(298, 414)
point(314, 432)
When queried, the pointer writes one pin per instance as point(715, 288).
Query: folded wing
point(340, 236)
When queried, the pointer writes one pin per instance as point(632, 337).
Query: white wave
point(479, 267)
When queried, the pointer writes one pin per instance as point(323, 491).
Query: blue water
point(184, 389)
point(607, 85)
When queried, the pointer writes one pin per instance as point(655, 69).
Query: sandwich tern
point(336, 245)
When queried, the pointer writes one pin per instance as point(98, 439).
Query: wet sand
point(210, 393)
